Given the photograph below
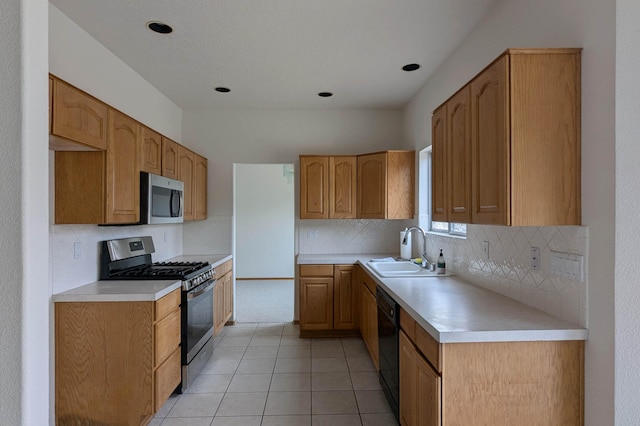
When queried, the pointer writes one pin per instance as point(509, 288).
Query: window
point(424, 201)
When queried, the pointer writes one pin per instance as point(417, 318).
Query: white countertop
point(453, 310)
point(134, 290)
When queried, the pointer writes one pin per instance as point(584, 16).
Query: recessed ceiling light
point(325, 94)
point(159, 27)
point(411, 67)
point(223, 89)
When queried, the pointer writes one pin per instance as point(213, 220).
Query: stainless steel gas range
point(130, 259)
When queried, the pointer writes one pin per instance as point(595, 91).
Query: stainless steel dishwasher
point(388, 333)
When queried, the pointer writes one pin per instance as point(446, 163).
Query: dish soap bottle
point(441, 266)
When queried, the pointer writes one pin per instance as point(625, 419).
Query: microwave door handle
point(172, 212)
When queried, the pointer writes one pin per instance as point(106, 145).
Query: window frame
point(424, 200)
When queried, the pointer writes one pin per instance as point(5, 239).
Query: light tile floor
point(264, 374)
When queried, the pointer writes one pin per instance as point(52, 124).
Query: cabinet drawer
point(167, 334)
point(223, 269)
point(168, 303)
point(316, 270)
point(429, 347)
point(167, 377)
point(408, 324)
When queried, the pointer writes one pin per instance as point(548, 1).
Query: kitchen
point(545, 24)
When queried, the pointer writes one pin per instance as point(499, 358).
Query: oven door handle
point(201, 289)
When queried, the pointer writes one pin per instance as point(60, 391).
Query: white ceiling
point(281, 53)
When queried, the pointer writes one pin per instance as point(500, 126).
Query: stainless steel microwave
point(161, 199)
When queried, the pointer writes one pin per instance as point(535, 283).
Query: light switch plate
point(312, 234)
point(568, 265)
point(77, 250)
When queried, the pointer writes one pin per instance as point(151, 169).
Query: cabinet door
point(439, 165)
point(228, 296)
point(151, 151)
point(186, 171)
point(372, 186)
point(490, 146)
point(169, 158)
point(218, 307)
point(407, 381)
point(400, 190)
point(342, 187)
point(200, 188)
point(345, 298)
point(123, 169)
point(314, 187)
point(459, 157)
point(78, 117)
point(316, 303)
point(428, 394)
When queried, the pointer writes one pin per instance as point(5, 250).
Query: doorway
point(263, 242)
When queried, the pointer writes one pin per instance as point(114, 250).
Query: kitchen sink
point(400, 269)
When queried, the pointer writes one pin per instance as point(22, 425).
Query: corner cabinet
point(328, 300)
point(327, 187)
point(386, 185)
point(115, 362)
point(523, 143)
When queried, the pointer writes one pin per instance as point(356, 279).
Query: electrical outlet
point(164, 236)
point(77, 250)
point(535, 258)
point(312, 234)
point(485, 249)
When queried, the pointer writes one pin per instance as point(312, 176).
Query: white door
point(264, 221)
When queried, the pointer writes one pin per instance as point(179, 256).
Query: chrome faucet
point(425, 262)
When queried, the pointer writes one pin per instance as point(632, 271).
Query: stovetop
point(162, 270)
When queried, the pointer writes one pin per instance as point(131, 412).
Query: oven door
point(197, 319)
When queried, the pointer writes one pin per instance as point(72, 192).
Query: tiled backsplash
point(349, 236)
point(507, 271)
point(68, 272)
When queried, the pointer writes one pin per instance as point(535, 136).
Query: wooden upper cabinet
point(328, 187)
point(524, 142)
point(386, 186)
point(200, 189)
point(169, 158)
point(529, 103)
point(459, 157)
point(314, 187)
point(186, 173)
point(151, 151)
point(490, 148)
point(439, 165)
point(342, 187)
point(78, 120)
point(123, 169)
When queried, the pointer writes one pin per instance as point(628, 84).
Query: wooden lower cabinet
point(328, 300)
point(223, 296)
point(369, 315)
point(489, 383)
point(116, 363)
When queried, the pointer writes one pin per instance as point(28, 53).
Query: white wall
point(555, 23)
point(273, 136)
point(24, 286)
point(81, 60)
point(627, 298)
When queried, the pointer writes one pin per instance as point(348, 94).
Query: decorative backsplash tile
point(507, 270)
point(210, 236)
